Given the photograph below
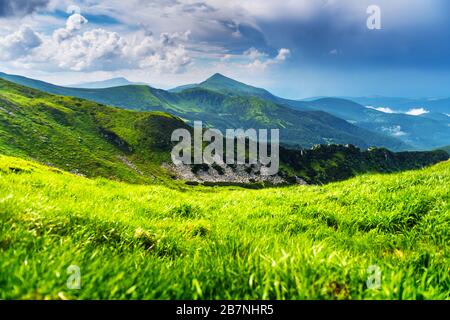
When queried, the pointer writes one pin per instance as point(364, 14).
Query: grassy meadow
point(155, 242)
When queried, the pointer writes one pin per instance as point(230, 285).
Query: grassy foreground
point(153, 242)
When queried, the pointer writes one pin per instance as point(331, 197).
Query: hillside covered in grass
point(446, 149)
point(219, 109)
point(153, 242)
point(85, 137)
point(96, 140)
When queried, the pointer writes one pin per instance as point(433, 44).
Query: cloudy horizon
point(295, 49)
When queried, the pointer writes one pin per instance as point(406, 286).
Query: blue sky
point(295, 48)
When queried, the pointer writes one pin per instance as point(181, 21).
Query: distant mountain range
point(225, 110)
point(434, 105)
point(92, 139)
point(222, 102)
point(110, 83)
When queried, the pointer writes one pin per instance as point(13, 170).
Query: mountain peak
point(219, 77)
point(222, 83)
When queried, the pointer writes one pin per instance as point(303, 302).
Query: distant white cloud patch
point(382, 109)
point(260, 60)
point(96, 49)
point(334, 52)
point(19, 44)
point(99, 49)
point(395, 131)
point(71, 48)
point(417, 111)
point(411, 112)
point(283, 54)
point(73, 23)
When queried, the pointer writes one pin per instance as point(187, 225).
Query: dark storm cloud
point(239, 37)
point(10, 8)
point(335, 35)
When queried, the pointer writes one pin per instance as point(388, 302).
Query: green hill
point(225, 110)
point(91, 139)
point(446, 149)
point(84, 137)
point(323, 164)
point(424, 132)
point(419, 132)
point(223, 84)
point(152, 242)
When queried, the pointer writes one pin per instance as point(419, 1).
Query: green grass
point(154, 242)
point(85, 137)
point(218, 109)
point(95, 140)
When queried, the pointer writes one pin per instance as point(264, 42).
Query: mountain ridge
point(103, 84)
point(95, 140)
point(222, 109)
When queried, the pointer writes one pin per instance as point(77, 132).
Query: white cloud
point(254, 54)
point(382, 109)
point(19, 44)
point(73, 23)
point(395, 131)
point(260, 60)
point(417, 111)
point(173, 61)
point(411, 112)
point(99, 49)
point(71, 48)
point(283, 54)
point(151, 38)
point(95, 49)
point(333, 52)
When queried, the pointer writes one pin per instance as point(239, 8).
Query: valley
point(302, 125)
point(96, 140)
point(89, 186)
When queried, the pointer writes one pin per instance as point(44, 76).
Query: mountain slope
point(302, 242)
point(228, 86)
point(438, 105)
point(422, 132)
point(83, 136)
point(114, 82)
point(446, 149)
point(222, 84)
point(227, 110)
point(96, 140)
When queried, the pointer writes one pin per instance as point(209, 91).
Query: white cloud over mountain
point(417, 111)
point(19, 44)
point(382, 109)
point(412, 112)
point(80, 46)
point(303, 47)
point(71, 48)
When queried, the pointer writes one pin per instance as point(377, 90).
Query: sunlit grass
point(153, 242)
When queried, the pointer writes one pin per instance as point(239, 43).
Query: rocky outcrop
point(231, 174)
